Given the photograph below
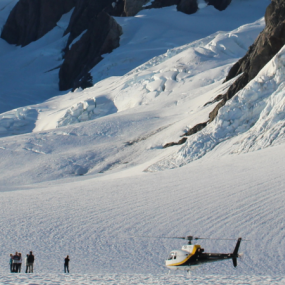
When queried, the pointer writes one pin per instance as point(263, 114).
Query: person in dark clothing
point(66, 264)
point(16, 261)
point(20, 262)
point(31, 260)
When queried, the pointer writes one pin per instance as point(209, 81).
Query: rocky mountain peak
point(32, 19)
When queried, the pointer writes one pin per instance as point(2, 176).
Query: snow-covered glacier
point(253, 119)
point(72, 165)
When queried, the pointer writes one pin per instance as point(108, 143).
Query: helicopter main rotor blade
point(189, 238)
point(158, 237)
point(196, 238)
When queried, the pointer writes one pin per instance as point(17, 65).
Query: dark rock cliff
point(101, 37)
point(132, 7)
point(219, 4)
point(32, 19)
point(265, 47)
point(86, 10)
point(188, 6)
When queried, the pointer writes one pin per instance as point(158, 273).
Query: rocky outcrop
point(219, 4)
point(188, 6)
point(196, 129)
point(265, 47)
point(101, 37)
point(86, 10)
point(162, 3)
point(132, 7)
point(180, 142)
point(32, 19)
point(190, 132)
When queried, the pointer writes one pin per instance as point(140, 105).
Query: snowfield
point(139, 279)
point(85, 173)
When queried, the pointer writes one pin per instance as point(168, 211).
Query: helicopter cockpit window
point(172, 256)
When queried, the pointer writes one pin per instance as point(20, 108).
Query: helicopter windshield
point(172, 255)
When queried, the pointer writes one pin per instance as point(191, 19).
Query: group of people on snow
point(16, 263)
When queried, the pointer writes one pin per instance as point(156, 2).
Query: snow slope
point(137, 279)
point(135, 115)
point(30, 74)
point(254, 117)
point(82, 189)
point(94, 219)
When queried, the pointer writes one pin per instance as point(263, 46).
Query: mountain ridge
point(30, 20)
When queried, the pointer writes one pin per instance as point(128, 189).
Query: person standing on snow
point(20, 262)
point(66, 264)
point(27, 264)
point(31, 260)
point(16, 260)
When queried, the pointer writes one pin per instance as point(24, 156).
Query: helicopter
point(193, 255)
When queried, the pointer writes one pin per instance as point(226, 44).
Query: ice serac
point(31, 19)
point(219, 4)
point(101, 37)
point(265, 47)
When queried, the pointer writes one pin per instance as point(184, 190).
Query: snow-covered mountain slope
point(73, 177)
point(140, 112)
point(30, 74)
point(254, 118)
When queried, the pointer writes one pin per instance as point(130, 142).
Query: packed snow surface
point(80, 170)
point(96, 219)
point(85, 279)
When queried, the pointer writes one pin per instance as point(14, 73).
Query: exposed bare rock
point(265, 47)
point(132, 7)
point(182, 141)
point(32, 19)
point(162, 3)
point(101, 37)
point(86, 10)
point(219, 4)
point(190, 132)
point(188, 6)
point(196, 129)
point(216, 99)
